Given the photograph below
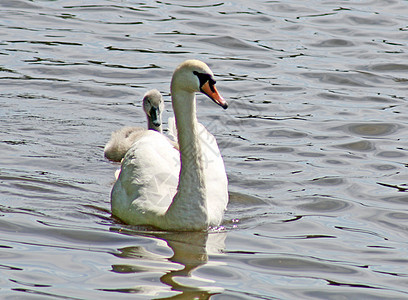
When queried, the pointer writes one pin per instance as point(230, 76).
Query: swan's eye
point(147, 102)
point(203, 78)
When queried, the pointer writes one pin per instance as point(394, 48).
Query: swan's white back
point(147, 182)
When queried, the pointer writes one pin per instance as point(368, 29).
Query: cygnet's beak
point(211, 91)
point(155, 116)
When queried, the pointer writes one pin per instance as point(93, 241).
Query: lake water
point(315, 144)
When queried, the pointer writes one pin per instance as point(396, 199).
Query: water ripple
point(314, 144)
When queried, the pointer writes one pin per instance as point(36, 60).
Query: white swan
point(154, 188)
point(122, 139)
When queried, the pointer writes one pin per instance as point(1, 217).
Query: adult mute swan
point(122, 139)
point(184, 190)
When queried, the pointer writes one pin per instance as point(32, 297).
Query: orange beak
point(211, 91)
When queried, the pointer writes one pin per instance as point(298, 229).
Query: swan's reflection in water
point(190, 251)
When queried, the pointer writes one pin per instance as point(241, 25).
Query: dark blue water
point(314, 142)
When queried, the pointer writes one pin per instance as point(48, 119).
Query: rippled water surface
point(315, 144)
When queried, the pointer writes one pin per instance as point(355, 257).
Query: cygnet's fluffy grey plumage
point(122, 139)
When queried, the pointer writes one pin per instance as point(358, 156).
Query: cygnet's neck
point(151, 126)
point(190, 199)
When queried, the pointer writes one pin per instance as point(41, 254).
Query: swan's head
point(153, 106)
point(195, 76)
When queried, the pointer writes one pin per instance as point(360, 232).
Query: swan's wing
point(172, 129)
point(148, 180)
point(172, 132)
point(215, 175)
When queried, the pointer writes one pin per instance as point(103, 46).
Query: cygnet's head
point(195, 76)
point(153, 106)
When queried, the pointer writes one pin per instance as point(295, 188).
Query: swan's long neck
point(190, 199)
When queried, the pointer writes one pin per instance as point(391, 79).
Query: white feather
point(155, 187)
